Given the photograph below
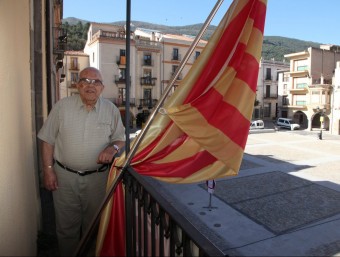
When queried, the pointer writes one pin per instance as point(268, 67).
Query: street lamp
point(322, 115)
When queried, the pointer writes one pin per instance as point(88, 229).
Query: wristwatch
point(116, 147)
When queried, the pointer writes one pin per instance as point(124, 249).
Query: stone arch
point(316, 121)
point(301, 118)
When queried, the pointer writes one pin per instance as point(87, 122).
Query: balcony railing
point(175, 57)
point(149, 103)
point(148, 44)
point(156, 228)
point(147, 62)
point(271, 95)
point(60, 40)
point(322, 81)
point(149, 81)
point(180, 76)
point(117, 35)
point(119, 102)
point(119, 80)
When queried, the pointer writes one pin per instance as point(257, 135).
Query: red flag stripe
point(258, 14)
point(181, 168)
point(223, 116)
point(222, 51)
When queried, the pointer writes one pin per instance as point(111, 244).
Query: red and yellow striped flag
point(201, 132)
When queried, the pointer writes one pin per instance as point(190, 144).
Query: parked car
point(135, 134)
point(287, 123)
point(257, 124)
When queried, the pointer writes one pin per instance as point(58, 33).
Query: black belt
point(85, 172)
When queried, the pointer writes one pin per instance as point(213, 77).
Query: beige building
point(31, 54)
point(154, 57)
point(307, 89)
point(266, 105)
point(74, 62)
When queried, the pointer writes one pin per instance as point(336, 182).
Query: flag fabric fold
point(203, 127)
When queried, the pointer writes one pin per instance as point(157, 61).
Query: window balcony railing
point(148, 81)
point(119, 79)
point(323, 81)
point(149, 103)
point(148, 44)
point(154, 227)
point(271, 95)
point(74, 66)
point(119, 102)
point(176, 57)
point(60, 40)
point(155, 218)
point(147, 62)
point(180, 77)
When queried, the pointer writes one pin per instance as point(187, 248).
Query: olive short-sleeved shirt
point(79, 135)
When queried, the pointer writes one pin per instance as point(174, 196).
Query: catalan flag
point(201, 132)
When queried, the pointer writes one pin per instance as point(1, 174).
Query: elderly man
point(79, 140)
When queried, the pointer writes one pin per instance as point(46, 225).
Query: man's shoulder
point(107, 103)
point(67, 102)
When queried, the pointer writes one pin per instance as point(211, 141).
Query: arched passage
point(316, 121)
point(301, 118)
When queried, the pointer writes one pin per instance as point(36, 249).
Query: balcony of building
point(269, 78)
point(116, 35)
point(59, 40)
point(119, 79)
point(324, 88)
point(74, 67)
point(153, 226)
point(175, 57)
point(147, 103)
point(147, 62)
point(270, 96)
point(299, 89)
point(143, 44)
point(119, 102)
point(179, 77)
point(148, 81)
point(121, 61)
point(299, 73)
point(59, 45)
point(322, 106)
point(298, 105)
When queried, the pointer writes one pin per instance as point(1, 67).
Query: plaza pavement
point(285, 201)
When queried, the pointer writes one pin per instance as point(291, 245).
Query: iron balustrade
point(148, 103)
point(155, 228)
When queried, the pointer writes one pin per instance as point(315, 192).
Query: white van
point(287, 123)
point(256, 124)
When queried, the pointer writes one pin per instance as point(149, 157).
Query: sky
point(309, 20)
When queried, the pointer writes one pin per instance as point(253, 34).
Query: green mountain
point(274, 47)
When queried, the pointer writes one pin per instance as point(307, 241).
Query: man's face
point(90, 85)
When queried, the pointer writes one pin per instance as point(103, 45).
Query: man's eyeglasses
point(86, 81)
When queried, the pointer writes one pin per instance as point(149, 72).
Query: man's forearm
point(47, 155)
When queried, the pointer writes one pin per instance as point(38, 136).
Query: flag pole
point(119, 177)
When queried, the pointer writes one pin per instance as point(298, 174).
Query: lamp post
point(322, 115)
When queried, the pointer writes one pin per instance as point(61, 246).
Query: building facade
point(32, 54)
point(74, 62)
point(266, 103)
point(307, 89)
point(154, 58)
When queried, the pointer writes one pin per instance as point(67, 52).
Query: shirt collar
point(81, 105)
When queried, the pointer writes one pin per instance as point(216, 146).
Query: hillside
point(274, 47)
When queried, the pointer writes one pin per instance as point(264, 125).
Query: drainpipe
point(128, 77)
point(48, 57)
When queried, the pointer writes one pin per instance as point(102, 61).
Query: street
point(285, 201)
